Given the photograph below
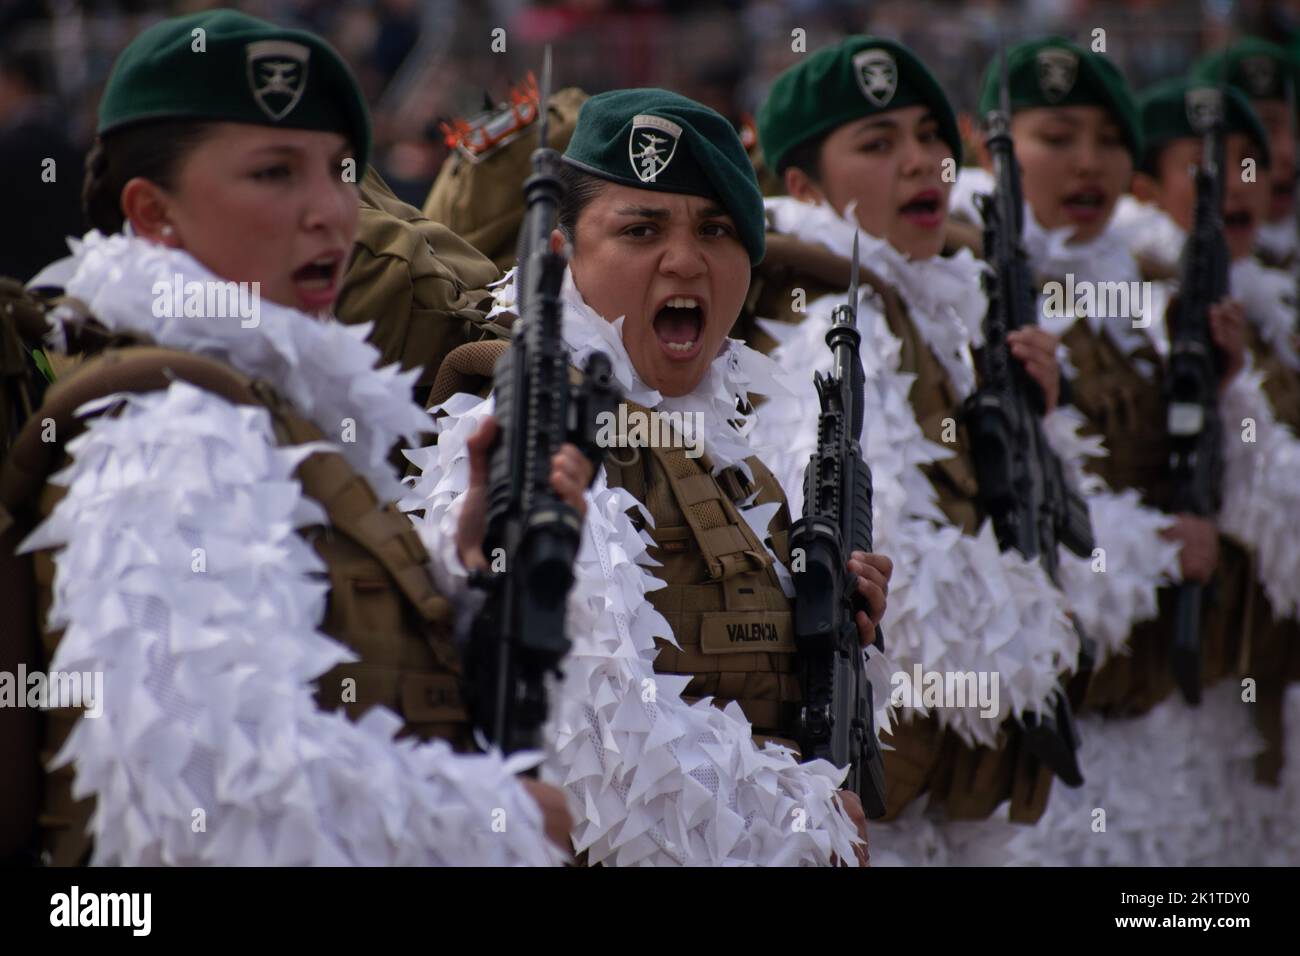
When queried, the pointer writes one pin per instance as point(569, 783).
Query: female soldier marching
point(1077, 138)
point(221, 548)
point(866, 143)
point(683, 546)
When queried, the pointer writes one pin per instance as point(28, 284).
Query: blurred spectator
point(40, 172)
point(421, 61)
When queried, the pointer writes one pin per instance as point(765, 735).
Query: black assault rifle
point(837, 718)
point(519, 637)
point(1192, 378)
point(1022, 485)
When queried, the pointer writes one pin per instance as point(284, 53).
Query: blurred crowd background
point(424, 61)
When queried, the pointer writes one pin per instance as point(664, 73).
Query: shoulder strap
point(354, 509)
point(818, 262)
point(724, 537)
point(139, 369)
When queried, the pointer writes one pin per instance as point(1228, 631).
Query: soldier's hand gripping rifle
point(837, 719)
point(518, 638)
point(1022, 484)
point(1192, 377)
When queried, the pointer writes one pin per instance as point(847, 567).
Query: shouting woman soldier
point(683, 551)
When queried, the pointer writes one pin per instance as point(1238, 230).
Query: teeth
point(681, 346)
point(682, 302)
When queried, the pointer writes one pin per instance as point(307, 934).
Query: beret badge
point(652, 145)
point(877, 75)
point(1057, 71)
point(1204, 108)
point(277, 75)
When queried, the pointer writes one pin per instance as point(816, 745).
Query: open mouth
point(679, 326)
point(316, 282)
point(1086, 205)
point(923, 209)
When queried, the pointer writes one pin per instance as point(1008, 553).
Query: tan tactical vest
point(381, 601)
point(723, 600)
point(1128, 412)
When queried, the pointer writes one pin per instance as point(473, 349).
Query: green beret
point(1056, 72)
point(1257, 67)
point(860, 76)
point(238, 69)
point(1174, 110)
point(657, 140)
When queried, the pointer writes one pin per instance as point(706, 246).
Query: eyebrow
point(659, 214)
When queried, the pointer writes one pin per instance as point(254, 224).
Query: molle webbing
point(723, 602)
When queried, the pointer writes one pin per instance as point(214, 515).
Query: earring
point(168, 231)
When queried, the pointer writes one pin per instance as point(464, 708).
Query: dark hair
point(580, 188)
point(152, 150)
point(806, 156)
point(1150, 161)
